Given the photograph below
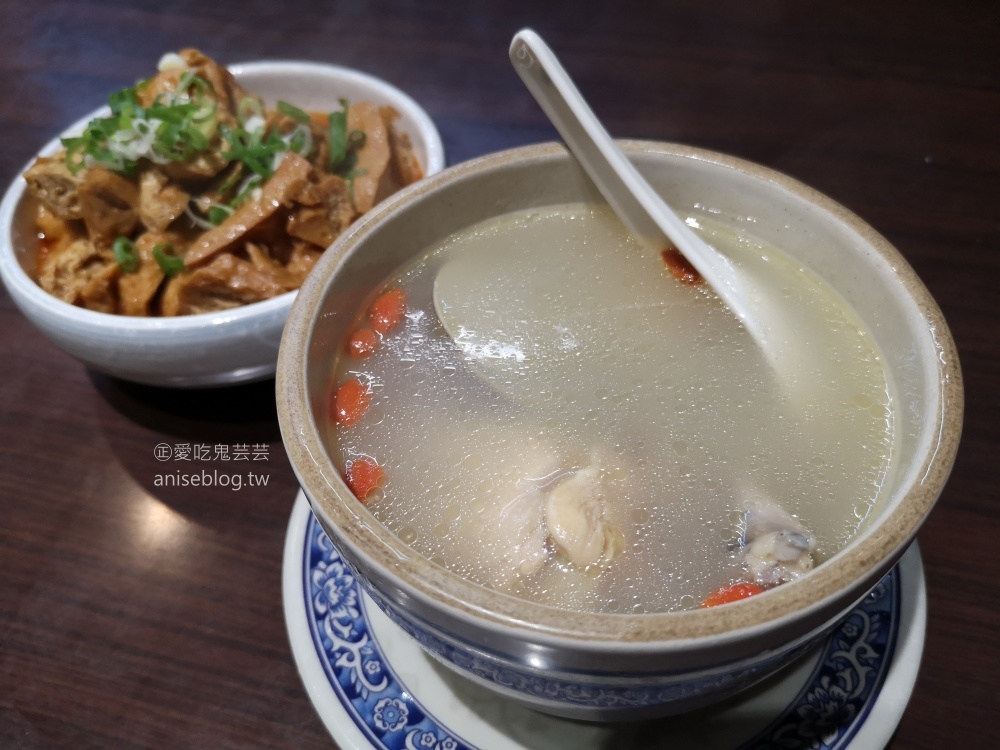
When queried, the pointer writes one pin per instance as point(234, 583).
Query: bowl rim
point(19, 282)
point(871, 553)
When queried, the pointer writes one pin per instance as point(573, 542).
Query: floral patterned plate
point(373, 687)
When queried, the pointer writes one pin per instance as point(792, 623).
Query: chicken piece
point(224, 283)
point(777, 548)
point(405, 166)
point(523, 526)
point(108, 205)
point(81, 275)
point(499, 537)
point(326, 211)
point(50, 182)
point(534, 505)
point(276, 194)
point(507, 539)
point(574, 514)
point(137, 288)
point(160, 201)
point(373, 156)
point(510, 535)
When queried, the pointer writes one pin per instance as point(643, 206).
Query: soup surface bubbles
point(593, 433)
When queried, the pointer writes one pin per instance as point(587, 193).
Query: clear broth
point(583, 348)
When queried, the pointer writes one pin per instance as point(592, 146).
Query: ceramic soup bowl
point(613, 666)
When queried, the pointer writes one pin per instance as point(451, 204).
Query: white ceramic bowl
point(608, 666)
point(209, 349)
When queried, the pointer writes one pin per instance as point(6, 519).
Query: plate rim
point(874, 727)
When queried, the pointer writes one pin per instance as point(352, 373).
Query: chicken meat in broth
point(595, 431)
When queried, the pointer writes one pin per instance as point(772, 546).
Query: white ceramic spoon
point(641, 209)
point(752, 297)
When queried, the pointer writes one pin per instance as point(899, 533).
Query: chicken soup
point(545, 406)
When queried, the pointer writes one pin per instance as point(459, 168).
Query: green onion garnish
point(218, 214)
point(254, 149)
point(246, 189)
point(173, 128)
point(123, 100)
point(344, 147)
point(337, 137)
point(169, 263)
point(247, 108)
point(124, 252)
point(191, 80)
point(292, 111)
point(300, 140)
point(356, 139)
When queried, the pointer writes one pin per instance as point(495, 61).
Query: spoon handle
point(629, 194)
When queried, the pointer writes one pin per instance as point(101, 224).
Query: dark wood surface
point(133, 616)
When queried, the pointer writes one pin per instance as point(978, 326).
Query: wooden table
point(137, 616)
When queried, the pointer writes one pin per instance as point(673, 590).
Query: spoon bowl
point(641, 209)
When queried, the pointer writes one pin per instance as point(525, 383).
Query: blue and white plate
point(374, 687)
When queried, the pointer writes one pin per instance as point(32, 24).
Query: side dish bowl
point(207, 349)
point(612, 666)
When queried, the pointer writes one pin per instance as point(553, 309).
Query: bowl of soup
point(162, 238)
point(555, 458)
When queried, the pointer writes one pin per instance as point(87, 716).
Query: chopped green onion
point(124, 99)
point(337, 137)
point(169, 263)
point(292, 111)
point(229, 182)
point(246, 189)
point(124, 252)
point(218, 214)
point(356, 138)
point(195, 218)
point(347, 167)
point(254, 149)
point(344, 146)
point(349, 176)
point(171, 129)
point(300, 140)
point(215, 215)
point(247, 108)
point(191, 80)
